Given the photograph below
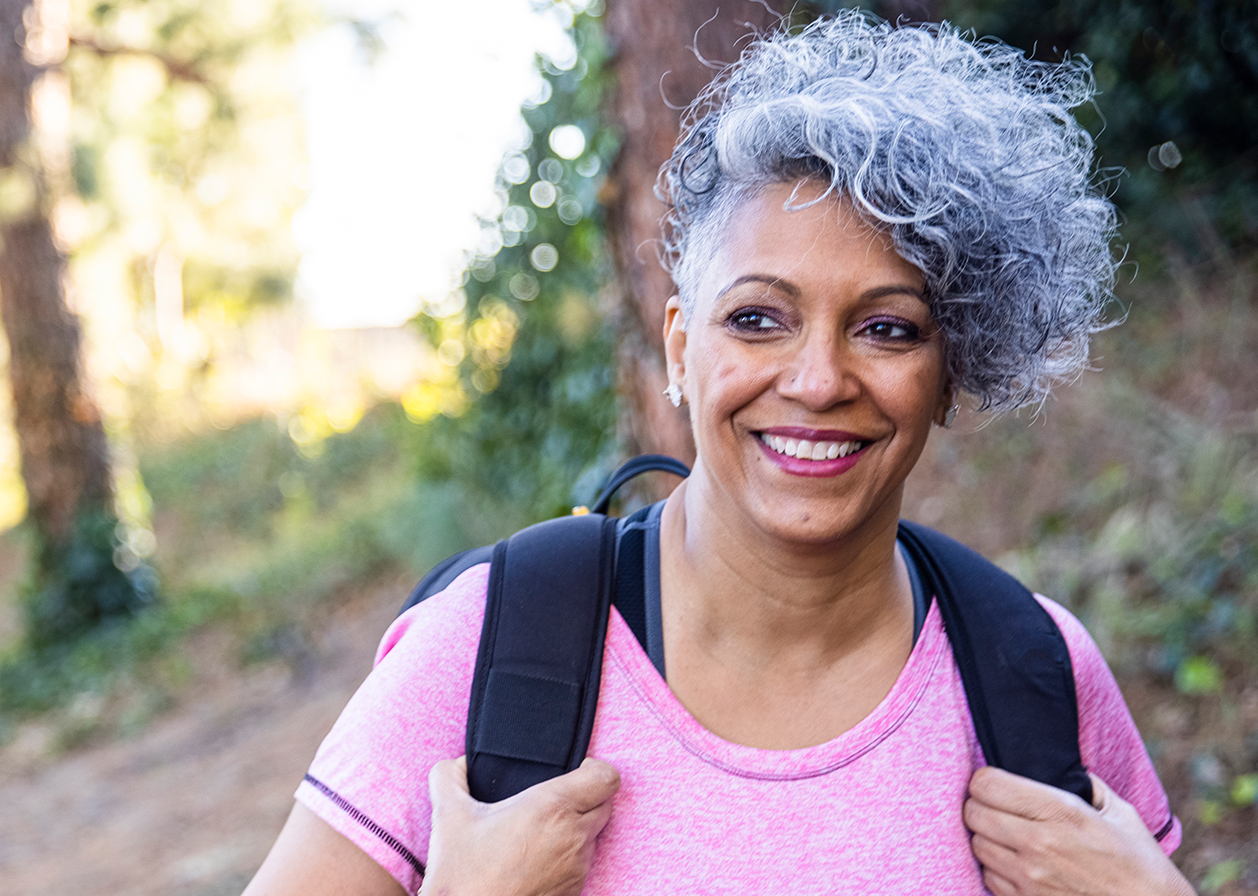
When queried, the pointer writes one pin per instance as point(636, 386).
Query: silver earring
point(950, 416)
point(673, 394)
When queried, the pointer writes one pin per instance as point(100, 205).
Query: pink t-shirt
point(876, 810)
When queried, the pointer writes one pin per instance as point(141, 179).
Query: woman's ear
point(947, 409)
point(675, 341)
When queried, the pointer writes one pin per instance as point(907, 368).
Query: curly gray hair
point(964, 151)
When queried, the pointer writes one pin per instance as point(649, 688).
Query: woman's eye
point(893, 330)
point(752, 320)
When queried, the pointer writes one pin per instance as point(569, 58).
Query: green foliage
point(86, 582)
point(1221, 874)
point(1164, 558)
point(540, 434)
point(1198, 675)
point(188, 140)
point(1245, 790)
point(256, 537)
point(1169, 71)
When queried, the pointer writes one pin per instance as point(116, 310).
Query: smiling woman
point(866, 221)
point(810, 330)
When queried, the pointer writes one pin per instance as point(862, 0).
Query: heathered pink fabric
point(875, 811)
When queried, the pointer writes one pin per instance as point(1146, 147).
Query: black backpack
point(535, 686)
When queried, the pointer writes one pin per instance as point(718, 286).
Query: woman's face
point(812, 368)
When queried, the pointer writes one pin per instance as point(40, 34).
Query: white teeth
point(806, 450)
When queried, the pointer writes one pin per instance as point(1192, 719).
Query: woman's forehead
point(800, 235)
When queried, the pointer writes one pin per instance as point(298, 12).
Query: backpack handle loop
point(636, 466)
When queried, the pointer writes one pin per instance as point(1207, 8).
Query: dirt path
point(189, 806)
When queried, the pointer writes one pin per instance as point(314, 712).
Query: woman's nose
point(820, 376)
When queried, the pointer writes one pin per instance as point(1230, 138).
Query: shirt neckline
point(628, 657)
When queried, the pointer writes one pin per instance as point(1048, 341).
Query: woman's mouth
point(807, 452)
point(804, 449)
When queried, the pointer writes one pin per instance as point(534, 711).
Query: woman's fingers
point(992, 854)
point(448, 779)
point(539, 842)
point(1036, 840)
point(998, 885)
point(589, 786)
point(1022, 797)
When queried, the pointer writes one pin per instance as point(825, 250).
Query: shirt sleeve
point(369, 778)
point(1109, 742)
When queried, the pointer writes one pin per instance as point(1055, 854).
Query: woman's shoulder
point(1090, 669)
point(417, 692)
point(369, 777)
point(447, 619)
point(1077, 637)
point(1109, 742)
point(1100, 700)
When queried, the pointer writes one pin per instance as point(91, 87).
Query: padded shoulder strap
point(535, 687)
point(1013, 660)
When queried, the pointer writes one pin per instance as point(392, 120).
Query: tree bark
point(658, 73)
point(62, 444)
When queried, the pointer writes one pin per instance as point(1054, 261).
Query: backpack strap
point(535, 687)
point(1013, 660)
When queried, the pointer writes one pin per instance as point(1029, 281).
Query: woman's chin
point(811, 522)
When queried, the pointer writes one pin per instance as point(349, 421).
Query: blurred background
point(300, 297)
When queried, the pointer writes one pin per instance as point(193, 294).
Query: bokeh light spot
point(524, 287)
point(450, 353)
point(567, 141)
point(551, 170)
point(538, 97)
point(1165, 155)
point(570, 211)
point(544, 257)
point(483, 269)
point(515, 169)
point(588, 167)
point(516, 217)
point(543, 194)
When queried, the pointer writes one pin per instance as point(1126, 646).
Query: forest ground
point(190, 804)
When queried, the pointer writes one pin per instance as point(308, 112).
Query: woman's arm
point(311, 859)
point(537, 843)
point(1036, 840)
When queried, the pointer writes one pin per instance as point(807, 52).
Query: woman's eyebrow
point(792, 290)
point(879, 291)
point(776, 282)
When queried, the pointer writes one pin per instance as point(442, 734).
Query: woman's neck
point(732, 570)
point(761, 635)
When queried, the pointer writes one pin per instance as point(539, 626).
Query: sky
point(404, 148)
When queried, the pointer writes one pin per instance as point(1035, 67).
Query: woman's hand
point(536, 843)
point(1036, 840)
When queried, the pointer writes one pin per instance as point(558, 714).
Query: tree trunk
point(62, 444)
point(658, 74)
